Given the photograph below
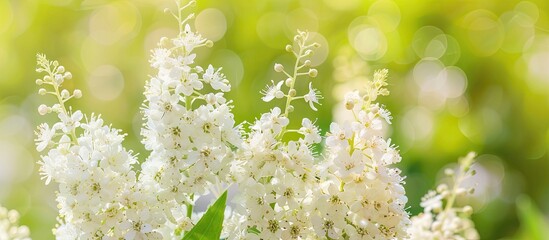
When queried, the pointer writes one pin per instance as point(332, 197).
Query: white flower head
point(312, 97)
point(272, 92)
point(216, 79)
point(309, 131)
point(189, 39)
point(44, 135)
point(160, 57)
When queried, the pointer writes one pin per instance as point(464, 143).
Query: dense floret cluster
point(285, 189)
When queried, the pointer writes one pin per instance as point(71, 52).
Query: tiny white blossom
point(272, 92)
point(44, 136)
point(312, 97)
point(216, 79)
point(309, 131)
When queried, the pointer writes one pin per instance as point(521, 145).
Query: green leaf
point(533, 224)
point(210, 225)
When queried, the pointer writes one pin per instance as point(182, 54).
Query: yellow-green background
point(494, 102)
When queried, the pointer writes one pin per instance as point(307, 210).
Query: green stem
point(289, 98)
point(190, 207)
point(60, 100)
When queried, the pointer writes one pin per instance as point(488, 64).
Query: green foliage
point(210, 225)
point(533, 224)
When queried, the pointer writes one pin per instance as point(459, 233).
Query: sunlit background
point(464, 75)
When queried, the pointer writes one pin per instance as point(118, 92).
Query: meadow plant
point(441, 218)
point(286, 190)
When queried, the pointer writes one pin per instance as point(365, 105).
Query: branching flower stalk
point(441, 219)
point(189, 128)
point(278, 175)
point(98, 196)
point(361, 194)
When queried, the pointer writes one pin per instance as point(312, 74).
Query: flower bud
point(279, 94)
point(77, 93)
point(47, 79)
point(209, 43)
point(292, 93)
point(288, 82)
point(290, 108)
point(313, 72)
point(468, 210)
point(43, 109)
point(462, 191)
point(289, 48)
point(56, 108)
point(349, 105)
point(39, 81)
point(42, 91)
point(316, 45)
point(67, 75)
point(61, 69)
point(278, 67)
point(449, 172)
point(65, 94)
point(59, 79)
point(308, 52)
point(442, 188)
point(307, 63)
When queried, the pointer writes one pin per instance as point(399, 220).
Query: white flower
point(160, 57)
point(216, 79)
point(309, 131)
point(441, 219)
point(189, 39)
point(385, 114)
point(274, 120)
point(353, 100)
point(272, 92)
point(350, 164)
point(312, 97)
point(44, 136)
point(69, 123)
point(338, 136)
point(189, 83)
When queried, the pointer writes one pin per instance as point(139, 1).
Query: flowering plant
point(286, 190)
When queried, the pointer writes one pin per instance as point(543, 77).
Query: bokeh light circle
point(386, 13)
point(106, 82)
point(367, 39)
point(119, 20)
point(272, 33)
point(485, 31)
point(211, 24)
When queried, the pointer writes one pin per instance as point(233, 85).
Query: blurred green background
point(464, 75)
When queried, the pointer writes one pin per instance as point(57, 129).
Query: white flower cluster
point(361, 195)
point(441, 219)
point(196, 148)
point(189, 128)
point(279, 176)
point(9, 226)
point(98, 194)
